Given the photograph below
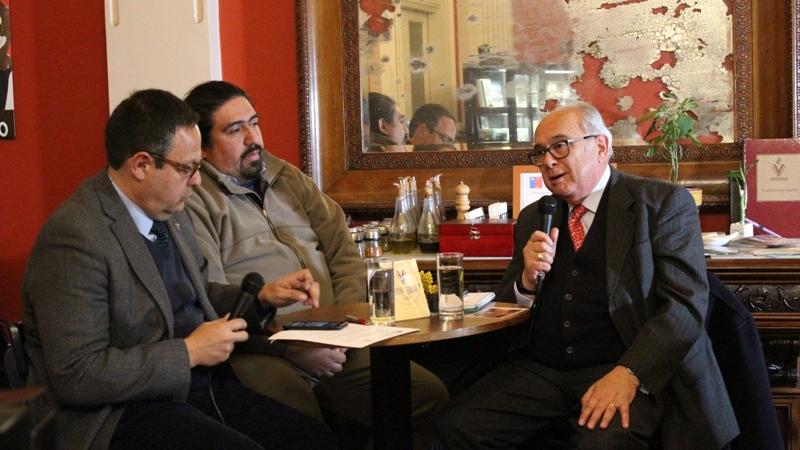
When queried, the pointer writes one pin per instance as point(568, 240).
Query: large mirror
point(480, 74)
point(753, 98)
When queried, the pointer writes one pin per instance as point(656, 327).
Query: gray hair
point(591, 122)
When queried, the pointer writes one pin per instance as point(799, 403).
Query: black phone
point(314, 325)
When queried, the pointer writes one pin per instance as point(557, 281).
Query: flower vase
point(433, 303)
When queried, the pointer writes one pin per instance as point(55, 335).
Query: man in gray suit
point(119, 323)
point(615, 344)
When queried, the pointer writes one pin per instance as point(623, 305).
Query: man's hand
point(539, 253)
point(616, 389)
point(294, 287)
point(317, 361)
point(212, 342)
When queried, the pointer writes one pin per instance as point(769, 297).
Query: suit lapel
point(176, 227)
point(139, 258)
point(619, 233)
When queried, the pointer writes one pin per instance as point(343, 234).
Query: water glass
point(380, 290)
point(450, 277)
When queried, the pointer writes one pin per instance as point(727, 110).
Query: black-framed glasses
point(184, 170)
point(445, 138)
point(558, 149)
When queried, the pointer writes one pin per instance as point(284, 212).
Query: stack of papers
point(762, 245)
point(764, 241)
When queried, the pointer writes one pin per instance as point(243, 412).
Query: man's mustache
point(250, 149)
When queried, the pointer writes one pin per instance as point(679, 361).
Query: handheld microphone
point(251, 285)
point(547, 207)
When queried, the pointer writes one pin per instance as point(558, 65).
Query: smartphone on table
point(314, 325)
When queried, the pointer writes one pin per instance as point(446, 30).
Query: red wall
point(259, 53)
point(61, 101)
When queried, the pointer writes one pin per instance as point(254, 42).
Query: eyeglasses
point(184, 170)
point(558, 149)
point(445, 138)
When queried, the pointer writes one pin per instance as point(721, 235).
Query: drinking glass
point(450, 277)
point(380, 290)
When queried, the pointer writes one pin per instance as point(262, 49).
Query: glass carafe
point(428, 228)
point(403, 233)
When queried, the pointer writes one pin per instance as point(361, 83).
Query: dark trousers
point(513, 405)
point(223, 415)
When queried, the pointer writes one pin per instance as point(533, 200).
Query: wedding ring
point(540, 256)
point(612, 406)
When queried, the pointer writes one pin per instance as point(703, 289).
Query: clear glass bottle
point(428, 228)
point(437, 197)
point(358, 238)
point(384, 229)
point(403, 233)
point(413, 198)
point(372, 242)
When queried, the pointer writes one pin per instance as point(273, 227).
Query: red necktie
point(576, 227)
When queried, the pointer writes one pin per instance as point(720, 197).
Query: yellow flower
point(427, 282)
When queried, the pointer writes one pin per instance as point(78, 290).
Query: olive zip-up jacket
point(296, 226)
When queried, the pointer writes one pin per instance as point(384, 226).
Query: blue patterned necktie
point(161, 233)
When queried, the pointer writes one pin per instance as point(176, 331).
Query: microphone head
point(252, 283)
point(547, 205)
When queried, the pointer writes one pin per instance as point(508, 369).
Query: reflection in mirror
point(496, 66)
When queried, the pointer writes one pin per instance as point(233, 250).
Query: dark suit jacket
point(657, 290)
point(737, 346)
point(97, 315)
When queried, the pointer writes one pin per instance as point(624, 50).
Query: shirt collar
point(231, 183)
point(143, 223)
point(592, 201)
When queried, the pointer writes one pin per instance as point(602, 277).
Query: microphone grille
point(547, 205)
point(252, 283)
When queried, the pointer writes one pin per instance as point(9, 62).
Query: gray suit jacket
point(97, 316)
point(658, 295)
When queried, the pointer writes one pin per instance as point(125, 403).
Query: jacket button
point(574, 272)
point(567, 324)
point(568, 297)
point(570, 350)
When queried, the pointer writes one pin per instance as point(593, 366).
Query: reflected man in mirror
point(432, 127)
point(254, 212)
point(616, 345)
point(387, 124)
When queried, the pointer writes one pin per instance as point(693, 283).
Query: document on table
point(352, 336)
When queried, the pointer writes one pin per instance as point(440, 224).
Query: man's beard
point(252, 169)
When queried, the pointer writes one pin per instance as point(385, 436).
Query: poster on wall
point(773, 184)
point(528, 187)
point(6, 79)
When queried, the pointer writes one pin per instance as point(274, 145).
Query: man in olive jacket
point(255, 212)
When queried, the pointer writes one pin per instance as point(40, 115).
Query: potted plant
point(671, 128)
point(738, 180)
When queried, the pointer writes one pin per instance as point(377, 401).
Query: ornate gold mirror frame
point(331, 138)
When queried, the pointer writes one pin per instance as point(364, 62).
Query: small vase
point(433, 303)
point(744, 229)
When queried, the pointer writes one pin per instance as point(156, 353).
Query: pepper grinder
point(462, 200)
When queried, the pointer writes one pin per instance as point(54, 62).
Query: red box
point(492, 237)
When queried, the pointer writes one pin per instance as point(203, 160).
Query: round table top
point(431, 329)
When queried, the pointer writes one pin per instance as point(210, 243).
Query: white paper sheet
point(352, 336)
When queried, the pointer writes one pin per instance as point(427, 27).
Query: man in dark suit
point(119, 323)
point(615, 344)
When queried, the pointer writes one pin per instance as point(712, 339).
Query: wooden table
point(391, 384)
